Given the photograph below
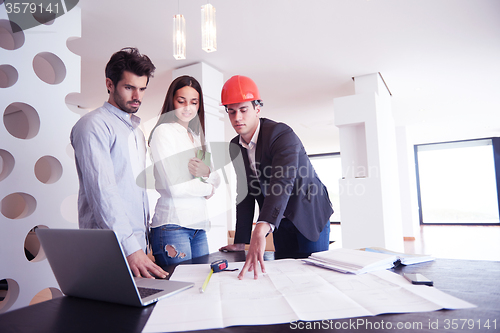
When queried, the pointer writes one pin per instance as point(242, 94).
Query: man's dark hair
point(128, 59)
point(254, 104)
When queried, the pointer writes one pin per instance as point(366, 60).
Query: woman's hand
point(197, 168)
point(211, 194)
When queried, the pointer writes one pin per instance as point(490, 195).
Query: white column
point(369, 188)
point(408, 184)
point(211, 81)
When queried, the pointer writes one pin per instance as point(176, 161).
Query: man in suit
point(277, 173)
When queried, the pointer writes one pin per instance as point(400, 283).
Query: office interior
point(436, 62)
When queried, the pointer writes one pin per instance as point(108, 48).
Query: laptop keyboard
point(145, 292)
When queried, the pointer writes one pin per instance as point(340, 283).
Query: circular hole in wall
point(71, 42)
point(72, 102)
point(45, 17)
point(48, 169)
point(49, 68)
point(45, 295)
point(10, 40)
point(32, 249)
point(8, 76)
point(9, 292)
point(21, 120)
point(69, 208)
point(17, 205)
point(6, 164)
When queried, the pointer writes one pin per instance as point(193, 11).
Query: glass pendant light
point(208, 30)
point(179, 37)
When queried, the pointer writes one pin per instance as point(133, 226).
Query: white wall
point(39, 184)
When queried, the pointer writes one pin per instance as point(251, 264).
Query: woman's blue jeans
point(173, 244)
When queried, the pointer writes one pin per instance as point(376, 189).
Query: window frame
point(325, 155)
point(495, 143)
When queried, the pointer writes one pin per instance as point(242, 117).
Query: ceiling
point(439, 58)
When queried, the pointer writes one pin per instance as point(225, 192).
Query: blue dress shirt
point(110, 152)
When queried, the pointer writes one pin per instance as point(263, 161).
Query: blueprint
point(289, 291)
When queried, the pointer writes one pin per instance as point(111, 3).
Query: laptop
point(90, 263)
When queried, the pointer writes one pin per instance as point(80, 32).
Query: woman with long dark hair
point(184, 175)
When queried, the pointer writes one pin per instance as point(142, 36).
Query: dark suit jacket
point(285, 185)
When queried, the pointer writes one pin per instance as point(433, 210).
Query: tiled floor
point(454, 242)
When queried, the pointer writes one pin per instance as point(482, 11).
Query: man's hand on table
point(141, 265)
point(255, 255)
point(233, 248)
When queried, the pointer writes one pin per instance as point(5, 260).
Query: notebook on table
point(90, 263)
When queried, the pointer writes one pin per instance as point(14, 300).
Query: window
point(329, 170)
point(457, 182)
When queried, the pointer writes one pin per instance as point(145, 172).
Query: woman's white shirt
point(182, 196)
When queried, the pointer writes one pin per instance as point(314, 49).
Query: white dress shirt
point(182, 201)
point(251, 147)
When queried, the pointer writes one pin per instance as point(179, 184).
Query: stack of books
point(362, 261)
point(406, 259)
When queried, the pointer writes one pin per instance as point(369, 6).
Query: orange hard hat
point(239, 89)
